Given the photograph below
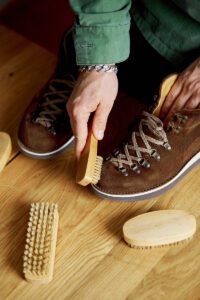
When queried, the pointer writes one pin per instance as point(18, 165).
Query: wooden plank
point(92, 261)
point(24, 68)
point(175, 277)
point(124, 268)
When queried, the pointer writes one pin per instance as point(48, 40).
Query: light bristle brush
point(39, 254)
point(159, 228)
point(5, 149)
point(90, 165)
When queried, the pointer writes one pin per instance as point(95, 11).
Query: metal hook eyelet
point(144, 163)
point(167, 146)
point(123, 171)
point(155, 154)
point(134, 167)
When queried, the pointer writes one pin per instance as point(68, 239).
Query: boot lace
point(132, 154)
point(54, 100)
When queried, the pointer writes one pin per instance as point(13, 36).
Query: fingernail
point(100, 134)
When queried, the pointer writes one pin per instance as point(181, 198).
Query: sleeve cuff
point(101, 44)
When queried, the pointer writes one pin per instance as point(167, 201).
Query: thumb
point(99, 121)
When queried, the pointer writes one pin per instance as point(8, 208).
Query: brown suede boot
point(154, 159)
point(45, 127)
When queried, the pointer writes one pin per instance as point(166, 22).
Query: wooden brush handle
point(87, 161)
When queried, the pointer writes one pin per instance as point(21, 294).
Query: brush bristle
point(97, 170)
point(43, 218)
point(159, 246)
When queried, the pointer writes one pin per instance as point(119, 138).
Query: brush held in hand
point(159, 228)
point(89, 164)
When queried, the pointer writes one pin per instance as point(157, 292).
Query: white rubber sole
point(30, 153)
point(153, 192)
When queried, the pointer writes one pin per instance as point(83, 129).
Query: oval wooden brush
point(5, 149)
point(159, 228)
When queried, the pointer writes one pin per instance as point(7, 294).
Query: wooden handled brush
point(5, 149)
point(89, 165)
point(39, 254)
point(159, 228)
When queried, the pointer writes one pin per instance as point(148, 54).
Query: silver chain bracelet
point(99, 68)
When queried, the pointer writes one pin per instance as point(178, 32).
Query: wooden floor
point(92, 261)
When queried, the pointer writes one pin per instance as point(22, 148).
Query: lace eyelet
point(134, 167)
point(155, 154)
point(52, 130)
point(108, 158)
point(116, 152)
point(144, 163)
point(123, 171)
point(167, 146)
point(181, 118)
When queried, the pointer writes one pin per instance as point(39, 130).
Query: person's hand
point(185, 92)
point(93, 92)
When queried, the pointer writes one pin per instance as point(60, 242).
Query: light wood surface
point(24, 68)
point(5, 149)
point(92, 260)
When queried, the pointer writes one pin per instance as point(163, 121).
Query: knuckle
point(76, 110)
point(194, 102)
point(197, 86)
point(101, 123)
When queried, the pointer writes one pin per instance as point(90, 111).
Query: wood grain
point(92, 260)
point(24, 68)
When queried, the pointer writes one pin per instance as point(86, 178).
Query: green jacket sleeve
point(101, 31)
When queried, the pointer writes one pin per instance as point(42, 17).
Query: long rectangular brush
point(39, 254)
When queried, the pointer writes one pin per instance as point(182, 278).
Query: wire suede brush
point(39, 254)
point(159, 228)
point(90, 164)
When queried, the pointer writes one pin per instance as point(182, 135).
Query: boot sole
point(195, 160)
point(30, 153)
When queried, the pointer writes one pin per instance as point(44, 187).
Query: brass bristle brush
point(159, 228)
point(39, 254)
point(90, 165)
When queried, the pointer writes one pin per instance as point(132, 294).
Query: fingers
point(193, 102)
point(81, 132)
point(177, 105)
point(188, 97)
point(100, 120)
point(79, 123)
